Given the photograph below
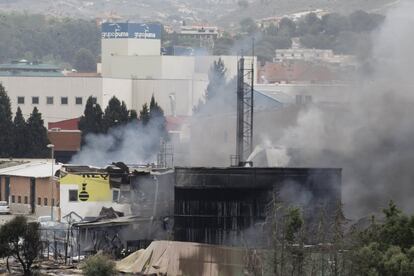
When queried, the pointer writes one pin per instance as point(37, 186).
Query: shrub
point(99, 265)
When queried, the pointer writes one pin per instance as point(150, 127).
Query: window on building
point(39, 201)
point(45, 201)
point(49, 100)
point(13, 199)
point(78, 100)
point(19, 199)
point(73, 195)
point(299, 99)
point(115, 195)
point(64, 100)
point(26, 200)
point(20, 100)
point(35, 100)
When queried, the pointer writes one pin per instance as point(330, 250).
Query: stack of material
point(184, 258)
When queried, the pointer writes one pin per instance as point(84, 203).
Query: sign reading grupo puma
point(131, 30)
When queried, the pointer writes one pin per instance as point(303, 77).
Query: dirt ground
point(45, 267)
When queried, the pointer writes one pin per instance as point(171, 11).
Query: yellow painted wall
point(97, 186)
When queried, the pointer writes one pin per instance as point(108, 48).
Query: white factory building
point(132, 69)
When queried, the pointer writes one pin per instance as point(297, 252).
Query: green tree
point(157, 118)
point(20, 135)
point(334, 23)
point(40, 37)
point(6, 125)
point(37, 136)
point(85, 61)
point(21, 240)
point(216, 78)
point(310, 24)
point(287, 27)
point(144, 115)
point(91, 121)
point(223, 45)
point(116, 113)
point(386, 248)
point(133, 115)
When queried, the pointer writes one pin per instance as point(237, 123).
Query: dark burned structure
point(225, 206)
point(231, 205)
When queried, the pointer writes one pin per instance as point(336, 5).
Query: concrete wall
point(186, 92)
point(127, 47)
point(320, 93)
point(55, 87)
point(137, 67)
point(20, 192)
point(120, 88)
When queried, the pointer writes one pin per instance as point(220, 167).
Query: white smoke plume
point(132, 143)
point(372, 137)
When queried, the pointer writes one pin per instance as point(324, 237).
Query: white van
point(4, 207)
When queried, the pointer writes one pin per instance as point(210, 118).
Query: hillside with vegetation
point(222, 12)
point(52, 40)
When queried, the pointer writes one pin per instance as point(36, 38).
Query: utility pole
point(52, 183)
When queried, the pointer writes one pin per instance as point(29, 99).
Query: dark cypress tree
point(216, 78)
point(37, 136)
point(157, 118)
point(20, 135)
point(6, 125)
point(116, 113)
point(91, 121)
point(144, 115)
point(133, 115)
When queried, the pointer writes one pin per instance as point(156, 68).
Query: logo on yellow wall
point(84, 195)
point(91, 187)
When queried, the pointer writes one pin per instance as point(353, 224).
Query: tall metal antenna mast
point(245, 101)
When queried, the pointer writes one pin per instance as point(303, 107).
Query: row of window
point(50, 100)
point(26, 200)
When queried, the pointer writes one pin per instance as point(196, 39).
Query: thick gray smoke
point(131, 144)
point(372, 137)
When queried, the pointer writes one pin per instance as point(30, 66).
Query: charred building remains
point(226, 206)
point(231, 205)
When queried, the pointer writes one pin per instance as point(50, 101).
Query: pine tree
point(116, 113)
point(216, 78)
point(91, 121)
point(20, 135)
point(144, 115)
point(37, 136)
point(157, 118)
point(133, 115)
point(6, 125)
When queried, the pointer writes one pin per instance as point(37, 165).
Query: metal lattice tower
point(245, 86)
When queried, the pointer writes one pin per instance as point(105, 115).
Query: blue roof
point(262, 101)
